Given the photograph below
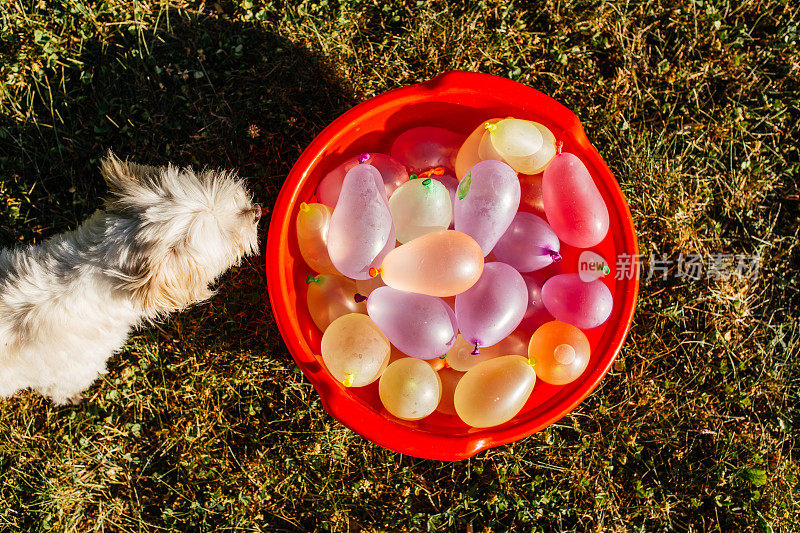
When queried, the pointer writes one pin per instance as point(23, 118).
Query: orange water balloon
point(462, 356)
point(559, 352)
point(440, 263)
point(410, 389)
point(312, 237)
point(468, 155)
point(354, 350)
point(331, 296)
point(494, 391)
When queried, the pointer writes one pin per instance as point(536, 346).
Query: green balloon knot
point(412, 177)
point(427, 182)
point(606, 270)
point(312, 279)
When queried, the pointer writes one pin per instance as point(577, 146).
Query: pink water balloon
point(492, 308)
point(487, 200)
point(574, 206)
point(393, 174)
point(585, 305)
point(528, 244)
point(426, 147)
point(361, 232)
point(420, 326)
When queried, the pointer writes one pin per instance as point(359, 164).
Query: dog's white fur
point(68, 304)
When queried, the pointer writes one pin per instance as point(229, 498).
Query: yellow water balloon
point(494, 391)
point(312, 236)
point(538, 161)
point(559, 352)
point(410, 389)
point(331, 296)
point(441, 263)
point(354, 350)
point(462, 356)
point(515, 137)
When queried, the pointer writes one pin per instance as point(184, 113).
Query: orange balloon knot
point(555, 256)
point(359, 298)
point(559, 147)
point(436, 171)
point(363, 158)
point(374, 272)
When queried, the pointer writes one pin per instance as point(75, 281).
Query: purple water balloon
point(418, 325)
point(536, 313)
point(393, 174)
point(528, 244)
point(491, 309)
point(361, 232)
point(426, 147)
point(487, 200)
point(585, 305)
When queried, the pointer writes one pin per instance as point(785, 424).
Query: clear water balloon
point(494, 391)
point(574, 206)
point(354, 350)
point(488, 198)
point(559, 352)
point(419, 325)
point(410, 389)
point(422, 148)
point(583, 304)
point(393, 174)
point(516, 138)
point(361, 232)
point(528, 244)
point(420, 206)
point(313, 221)
point(330, 296)
point(441, 263)
point(491, 309)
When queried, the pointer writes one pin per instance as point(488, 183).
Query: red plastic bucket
point(458, 101)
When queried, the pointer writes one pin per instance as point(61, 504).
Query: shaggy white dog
point(68, 304)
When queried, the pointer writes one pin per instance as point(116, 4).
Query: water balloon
point(494, 391)
point(420, 206)
point(410, 389)
point(330, 296)
point(528, 244)
point(422, 148)
point(393, 174)
point(354, 350)
point(559, 352)
point(583, 304)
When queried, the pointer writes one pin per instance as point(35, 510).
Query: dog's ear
point(124, 178)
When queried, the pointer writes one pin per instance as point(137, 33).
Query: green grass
point(695, 107)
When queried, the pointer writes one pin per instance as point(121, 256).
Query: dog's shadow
point(197, 90)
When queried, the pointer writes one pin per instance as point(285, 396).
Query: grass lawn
point(204, 423)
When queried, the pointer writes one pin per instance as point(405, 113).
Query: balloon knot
point(363, 158)
point(359, 298)
point(413, 177)
point(374, 272)
point(490, 127)
point(304, 207)
point(532, 361)
point(476, 351)
point(436, 171)
point(348, 379)
point(312, 279)
point(427, 182)
point(606, 270)
point(555, 256)
point(559, 147)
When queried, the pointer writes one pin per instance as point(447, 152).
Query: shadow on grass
point(196, 91)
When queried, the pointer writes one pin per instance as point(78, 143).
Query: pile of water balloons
point(424, 259)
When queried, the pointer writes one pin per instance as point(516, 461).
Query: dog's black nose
point(256, 213)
